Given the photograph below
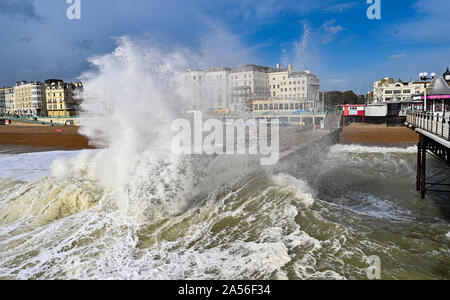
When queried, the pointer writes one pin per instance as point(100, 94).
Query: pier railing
point(433, 123)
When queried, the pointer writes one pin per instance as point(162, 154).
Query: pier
point(434, 139)
point(432, 124)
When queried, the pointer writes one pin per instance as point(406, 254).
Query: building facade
point(286, 84)
point(9, 101)
point(62, 99)
point(2, 101)
point(208, 90)
point(236, 89)
point(388, 89)
point(248, 83)
point(279, 106)
point(29, 99)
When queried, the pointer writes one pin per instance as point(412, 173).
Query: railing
point(433, 123)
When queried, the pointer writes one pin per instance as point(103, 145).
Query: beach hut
point(354, 113)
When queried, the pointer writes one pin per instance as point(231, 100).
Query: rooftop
point(438, 86)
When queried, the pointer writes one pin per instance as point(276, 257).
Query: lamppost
point(424, 77)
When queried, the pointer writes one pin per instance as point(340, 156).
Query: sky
point(333, 39)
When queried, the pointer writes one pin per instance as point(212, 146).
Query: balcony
point(432, 123)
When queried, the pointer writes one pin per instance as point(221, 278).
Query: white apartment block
point(388, 89)
point(2, 101)
point(8, 94)
point(29, 99)
point(236, 89)
point(209, 90)
point(248, 83)
point(302, 87)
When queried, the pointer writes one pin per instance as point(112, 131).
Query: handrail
point(434, 123)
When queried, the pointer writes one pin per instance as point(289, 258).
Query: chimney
point(290, 68)
point(278, 66)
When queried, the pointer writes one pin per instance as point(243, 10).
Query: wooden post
point(423, 167)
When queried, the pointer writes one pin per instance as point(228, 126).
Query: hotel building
point(248, 83)
point(2, 101)
point(62, 98)
point(9, 100)
point(29, 99)
point(236, 89)
point(301, 89)
point(208, 90)
point(388, 89)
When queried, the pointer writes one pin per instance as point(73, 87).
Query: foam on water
point(367, 149)
point(30, 166)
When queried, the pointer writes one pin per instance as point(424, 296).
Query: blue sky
point(334, 39)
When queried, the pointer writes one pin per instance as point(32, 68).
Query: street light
point(424, 77)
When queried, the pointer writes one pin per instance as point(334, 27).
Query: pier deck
point(434, 135)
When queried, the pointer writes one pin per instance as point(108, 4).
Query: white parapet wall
point(376, 110)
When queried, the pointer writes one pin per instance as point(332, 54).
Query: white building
point(9, 101)
point(209, 90)
point(248, 83)
point(388, 89)
point(286, 84)
point(235, 89)
point(29, 98)
point(2, 101)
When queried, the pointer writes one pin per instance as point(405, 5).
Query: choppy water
point(317, 216)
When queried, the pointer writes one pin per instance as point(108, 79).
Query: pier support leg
point(419, 163)
point(423, 167)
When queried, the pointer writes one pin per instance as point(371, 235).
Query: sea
point(318, 215)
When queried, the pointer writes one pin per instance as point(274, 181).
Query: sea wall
point(316, 145)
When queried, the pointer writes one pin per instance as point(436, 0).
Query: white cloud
point(398, 56)
point(330, 31)
point(340, 7)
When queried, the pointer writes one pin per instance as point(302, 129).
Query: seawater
point(318, 217)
